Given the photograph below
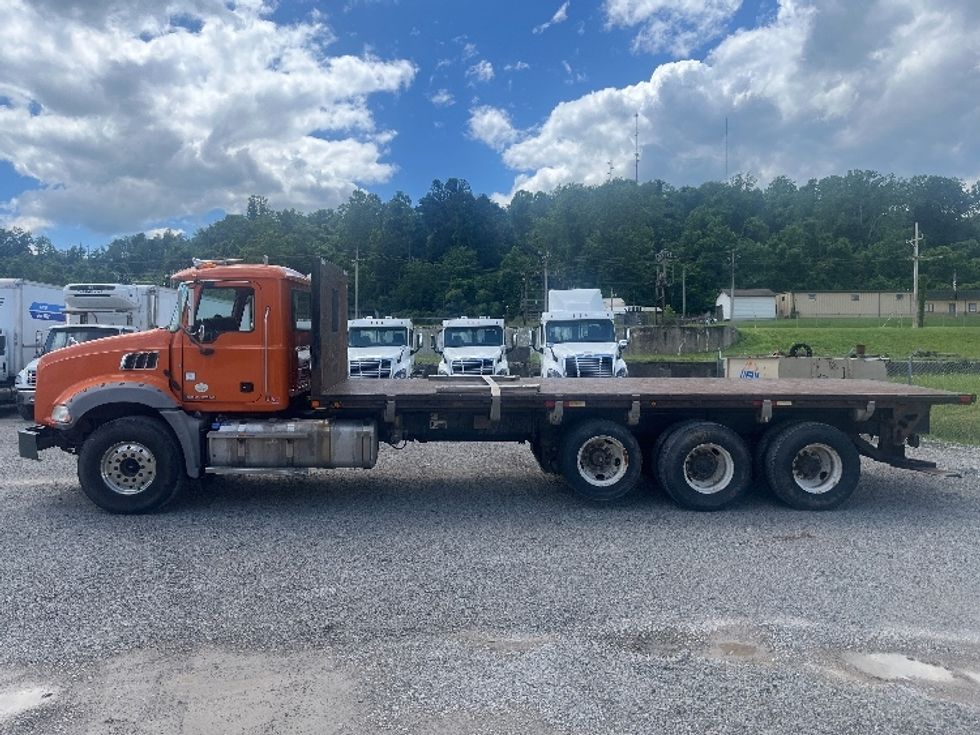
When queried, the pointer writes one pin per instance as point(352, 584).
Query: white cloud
point(823, 88)
point(492, 126)
point(442, 98)
point(161, 231)
point(677, 26)
point(131, 112)
point(517, 66)
point(560, 16)
point(482, 71)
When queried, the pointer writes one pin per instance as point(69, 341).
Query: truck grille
point(367, 368)
point(472, 366)
point(32, 378)
point(597, 366)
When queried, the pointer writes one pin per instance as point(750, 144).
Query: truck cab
point(381, 348)
point(577, 337)
point(472, 347)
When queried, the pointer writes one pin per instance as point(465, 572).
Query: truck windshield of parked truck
point(580, 330)
point(474, 337)
point(58, 338)
point(177, 318)
point(377, 337)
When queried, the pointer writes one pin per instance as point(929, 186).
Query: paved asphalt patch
point(456, 589)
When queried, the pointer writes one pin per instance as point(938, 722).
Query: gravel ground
point(456, 589)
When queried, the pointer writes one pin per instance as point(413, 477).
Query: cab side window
point(224, 309)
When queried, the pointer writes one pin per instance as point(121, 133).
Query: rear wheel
point(131, 465)
point(600, 460)
point(812, 466)
point(704, 466)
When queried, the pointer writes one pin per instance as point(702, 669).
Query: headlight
point(502, 371)
point(401, 374)
point(552, 373)
point(60, 414)
point(621, 373)
point(19, 380)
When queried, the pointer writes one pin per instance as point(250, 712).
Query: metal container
point(302, 443)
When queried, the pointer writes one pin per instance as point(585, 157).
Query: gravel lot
point(456, 589)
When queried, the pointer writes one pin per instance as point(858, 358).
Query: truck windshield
point(58, 338)
point(183, 291)
point(473, 337)
point(377, 337)
point(580, 330)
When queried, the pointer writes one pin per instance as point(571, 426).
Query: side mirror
point(629, 337)
point(434, 339)
point(417, 342)
point(535, 340)
point(38, 343)
point(623, 344)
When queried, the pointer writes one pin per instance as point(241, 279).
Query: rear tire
point(131, 465)
point(600, 460)
point(813, 466)
point(704, 465)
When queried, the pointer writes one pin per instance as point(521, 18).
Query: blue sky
point(120, 117)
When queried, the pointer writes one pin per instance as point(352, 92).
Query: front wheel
point(26, 411)
point(812, 466)
point(600, 460)
point(131, 465)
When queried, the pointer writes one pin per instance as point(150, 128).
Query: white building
point(750, 303)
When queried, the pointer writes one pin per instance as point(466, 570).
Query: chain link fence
point(956, 375)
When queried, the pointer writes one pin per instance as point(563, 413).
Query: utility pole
point(636, 148)
point(357, 280)
point(914, 242)
point(726, 147)
point(546, 256)
point(732, 293)
point(683, 291)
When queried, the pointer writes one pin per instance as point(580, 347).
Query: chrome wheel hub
point(128, 468)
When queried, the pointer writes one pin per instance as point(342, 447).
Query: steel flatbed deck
point(524, 393)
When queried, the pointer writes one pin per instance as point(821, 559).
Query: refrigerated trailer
point(27, 311)
point(251, 377)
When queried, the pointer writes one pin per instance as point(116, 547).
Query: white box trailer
point(28, 309)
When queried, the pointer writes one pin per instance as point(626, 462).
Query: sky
point(127, 116)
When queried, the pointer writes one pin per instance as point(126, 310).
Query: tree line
point(454, 252)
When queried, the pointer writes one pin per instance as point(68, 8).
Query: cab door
point(225, 347)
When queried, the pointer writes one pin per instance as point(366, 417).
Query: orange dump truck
point(251, 377)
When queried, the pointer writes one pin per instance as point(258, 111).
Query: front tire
point(813, 466)
point(131, 465)
point(600, 460)
point(704, 465)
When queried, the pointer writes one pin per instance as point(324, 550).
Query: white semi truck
point(28, 309)
point(577, 337)
point(472, 347)
point(94, 311)
point(381, 348)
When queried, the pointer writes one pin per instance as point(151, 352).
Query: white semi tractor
point(94, 311)
point(472, 347)
point(28, 309)
point(381, 348)
point(577, 337)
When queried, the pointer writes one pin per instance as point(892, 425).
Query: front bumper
point(35, 439)
point(25, 397)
